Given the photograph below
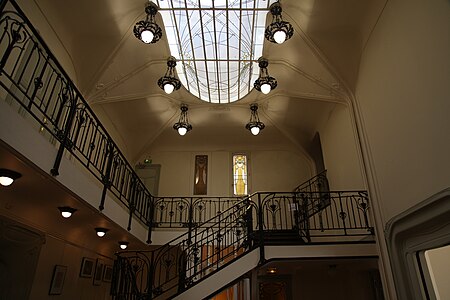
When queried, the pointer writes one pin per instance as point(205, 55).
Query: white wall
point(340, 155)
point(268, 171)
point(403, 94)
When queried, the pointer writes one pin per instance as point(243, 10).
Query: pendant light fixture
point(264, 83)
point(123, 245)
point(101, 231)
point(255, 125)
point(278, 31)
point(66, 211)
point(183, 126)
point(169, 82)
point(147, 30)
point(7, 177)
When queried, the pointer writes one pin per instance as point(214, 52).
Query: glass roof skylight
point(217, 44)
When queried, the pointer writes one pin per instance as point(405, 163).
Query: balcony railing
point(32, 77)
point(253, 222)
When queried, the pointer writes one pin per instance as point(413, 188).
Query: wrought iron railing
point(318, 183)
point(248, 224)
point(32, 77)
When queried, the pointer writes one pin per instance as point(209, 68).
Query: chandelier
point(264, 83)
point(183, 126)
point(169, 82)
point(278, 31)
point(255, 125)
point(147, 30)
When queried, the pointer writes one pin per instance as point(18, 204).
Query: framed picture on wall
point(107, 274)
point(87, 267)
point(59, 274)
point(98, 274)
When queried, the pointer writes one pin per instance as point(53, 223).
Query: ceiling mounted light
point(101, 231)
point(255, 125)
point(123, 245)
point(7, 177)
point(183, 126)
point(264, 83)
point(278, 31)
point(169, 82)
point(147, 30)
point(66, 211)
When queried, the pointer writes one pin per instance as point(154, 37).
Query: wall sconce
point(271, 270)
point(101, 231)
point(147, 30)
point(264, 83)
point(123, 245)
point(66, 211)
point(255, 125)
point(278, 31)
point(169, 82)
point(7, 177)
point(183, 126)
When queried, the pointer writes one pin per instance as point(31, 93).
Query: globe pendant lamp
point(255, 125)
point(183, 126)
point(278, 31)
point(169, 82)
point(264, 83)
point(147, 30)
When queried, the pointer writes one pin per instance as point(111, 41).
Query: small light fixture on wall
point(278, 31)
point(255, 125)
point(183, 126)
point(264, 83)
point(123, 245)
point(169, 82)
point(66, 211)
point(101, 231)
point(272, 270)
point(147, 30)
point(7, 177)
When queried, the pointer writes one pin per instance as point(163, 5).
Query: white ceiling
point(316, 69)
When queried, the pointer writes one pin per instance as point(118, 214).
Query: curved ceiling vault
point(316, 69)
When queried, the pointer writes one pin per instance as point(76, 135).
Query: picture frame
point(87, 267)
point(57, 283)
point(98, 274)
point(107, 273)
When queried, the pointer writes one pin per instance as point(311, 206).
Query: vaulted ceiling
point(316, 70)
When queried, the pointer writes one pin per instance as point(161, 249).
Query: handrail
point(251, 223)
point(32, 76)
point(314, 184)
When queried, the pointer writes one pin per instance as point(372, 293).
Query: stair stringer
point(251, 260)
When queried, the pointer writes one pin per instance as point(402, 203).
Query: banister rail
point(253, 222)
point(32, 77)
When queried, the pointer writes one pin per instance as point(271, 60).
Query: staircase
point(262, 226)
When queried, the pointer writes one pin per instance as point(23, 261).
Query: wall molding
point(421, 227)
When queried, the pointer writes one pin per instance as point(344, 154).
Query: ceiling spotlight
point(183, 126)
point(101, 231)
point(123, 245)
point(66, 211)
point(169, 82)
point(278, 31)
point(264, 83)
point(255, 125)
point(7, 177)
point(147, 30)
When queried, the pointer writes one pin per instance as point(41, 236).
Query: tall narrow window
point(240, 175)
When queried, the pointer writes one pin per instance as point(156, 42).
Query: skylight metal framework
point(217, 44)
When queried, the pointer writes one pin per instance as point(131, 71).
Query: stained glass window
point(240, 175)
point(217, 44)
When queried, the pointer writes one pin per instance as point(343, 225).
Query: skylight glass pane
point(216, 43)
